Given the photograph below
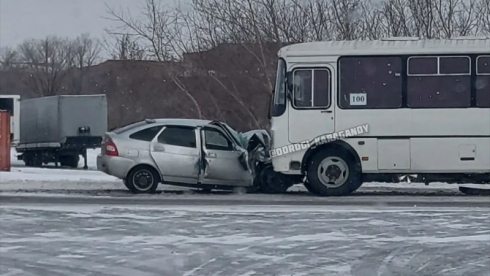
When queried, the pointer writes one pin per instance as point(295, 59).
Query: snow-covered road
point(228, 241)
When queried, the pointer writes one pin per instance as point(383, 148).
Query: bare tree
point(46, 61)
point(232, 44)
point(434, 19)
point(9, 58)
point(483, 20)
point(124, 47)
point(85, 53)
point(246, 36)
point(154, 31)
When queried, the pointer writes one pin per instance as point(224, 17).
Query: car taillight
point(111, 149)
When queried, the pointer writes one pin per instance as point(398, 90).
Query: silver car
point(184, 152)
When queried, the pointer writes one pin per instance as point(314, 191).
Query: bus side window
point(370, 82)
point(321, 95)
point(311, 88)
point(302, 88)
point(483, 81)
point(446, 85)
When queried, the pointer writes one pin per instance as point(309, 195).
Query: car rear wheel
point(333, 172)
point(142, 179)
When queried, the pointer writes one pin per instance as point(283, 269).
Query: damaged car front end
point(257, 160)
point(191, 153)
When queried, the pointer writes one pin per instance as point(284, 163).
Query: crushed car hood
point(255, 144)
point(253, 137)
point(247, 140)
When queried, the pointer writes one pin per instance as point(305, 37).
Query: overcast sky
point(24, 19)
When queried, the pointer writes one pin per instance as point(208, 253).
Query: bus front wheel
point(333, 172)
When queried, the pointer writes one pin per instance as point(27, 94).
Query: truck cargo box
point(56, 119)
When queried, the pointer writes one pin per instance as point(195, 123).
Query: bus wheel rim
point(333, 172)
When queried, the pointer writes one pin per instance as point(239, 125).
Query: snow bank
point(23, 178)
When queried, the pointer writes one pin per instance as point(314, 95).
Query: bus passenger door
point(311, 109)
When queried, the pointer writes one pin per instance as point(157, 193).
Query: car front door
point(177, 154)
point(222, 156)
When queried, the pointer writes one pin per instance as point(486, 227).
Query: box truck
point(58, 129)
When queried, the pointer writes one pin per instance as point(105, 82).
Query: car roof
point(139, 125)
point(182, 122)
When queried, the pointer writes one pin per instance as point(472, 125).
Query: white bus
point(426, 102)
point(11, 103)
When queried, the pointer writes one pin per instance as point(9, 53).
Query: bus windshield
point(279, 99)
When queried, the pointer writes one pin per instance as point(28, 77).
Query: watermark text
point(320, 140)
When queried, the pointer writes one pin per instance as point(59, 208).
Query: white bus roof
point(389, 46)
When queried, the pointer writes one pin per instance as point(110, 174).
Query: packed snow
point(49, 178)
point(241, 240)
point(107, 235)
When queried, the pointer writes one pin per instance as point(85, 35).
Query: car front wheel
point(333, 172)
point(271, 182)
point(142, 179)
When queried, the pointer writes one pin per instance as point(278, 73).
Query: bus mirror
point(289, 78)
point(289, 84)
point(271, 99)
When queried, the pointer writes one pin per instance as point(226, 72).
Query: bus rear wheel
point(333, 172)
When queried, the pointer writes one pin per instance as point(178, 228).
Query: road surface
point(89, 238)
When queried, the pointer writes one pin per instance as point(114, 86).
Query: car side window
point(146, 134)
point(215, 140)
point(178, 136)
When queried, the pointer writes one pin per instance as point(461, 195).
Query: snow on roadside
point(19, 174)
point(22, 178)
point(50, 178)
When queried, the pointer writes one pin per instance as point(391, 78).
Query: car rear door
point(222, 160)
point(176, 152)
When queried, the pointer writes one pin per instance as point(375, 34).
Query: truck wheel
point(73, 161)
point(32, 160)
point(36, 161)
point(333, 172)
point(69, 161)
point(27, 160)
point(142, 179)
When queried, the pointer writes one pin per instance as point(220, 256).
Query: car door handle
point(159, 149)
point(213, 155)
point(326, 111)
